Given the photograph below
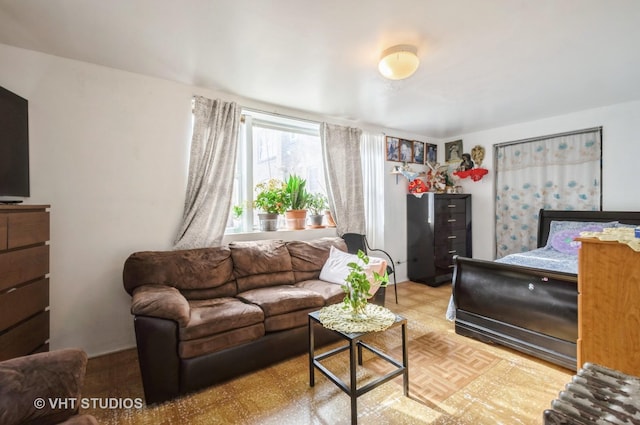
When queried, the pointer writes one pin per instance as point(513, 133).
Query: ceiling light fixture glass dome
point(399, 62)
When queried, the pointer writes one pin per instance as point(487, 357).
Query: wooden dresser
point(24, 285)
point(438, 228)
point(609, 306)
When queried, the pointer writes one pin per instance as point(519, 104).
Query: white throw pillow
point(335, 270)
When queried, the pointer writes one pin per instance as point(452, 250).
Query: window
point(273, 146)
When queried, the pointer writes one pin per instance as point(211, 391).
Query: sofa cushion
point(294, 319)
point(210, 317)
point(308, 257)
point(261, 264)
point(282, 299)
point(220, 341)
point(57, 374)
point(190, 270)
point(330, 292)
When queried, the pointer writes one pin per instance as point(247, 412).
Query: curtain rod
point(550, 136)
point(281, 115)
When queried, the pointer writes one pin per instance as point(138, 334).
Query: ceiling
point(484, 63)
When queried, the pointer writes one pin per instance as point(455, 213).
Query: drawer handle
point(451, 220)
point(450, 266)
point(452, 251)
point(451, 237)
point(451, 206)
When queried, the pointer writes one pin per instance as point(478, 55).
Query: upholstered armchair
point(43, 389)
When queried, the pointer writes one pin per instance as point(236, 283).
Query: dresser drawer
point(3, 232)
point(28, 228)
point(450, 206)
point(23, 265)
point(450, 222)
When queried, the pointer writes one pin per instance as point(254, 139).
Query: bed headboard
point(547, 216)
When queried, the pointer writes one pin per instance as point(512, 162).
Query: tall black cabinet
point(438, 227)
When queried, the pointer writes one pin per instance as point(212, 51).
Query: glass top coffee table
point(355, 346)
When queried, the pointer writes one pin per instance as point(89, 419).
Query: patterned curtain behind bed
point(560, 172)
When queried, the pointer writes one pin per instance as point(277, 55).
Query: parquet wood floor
point(453, 380)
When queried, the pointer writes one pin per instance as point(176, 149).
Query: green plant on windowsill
point(317, 203)
point(237, 211)
point(297, 195)
point(357, 286)
point(271, 197)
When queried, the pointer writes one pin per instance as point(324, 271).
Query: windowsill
point(284, 234)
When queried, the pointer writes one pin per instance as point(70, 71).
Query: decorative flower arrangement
point(271, 196)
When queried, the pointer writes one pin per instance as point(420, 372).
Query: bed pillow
point(562, 234)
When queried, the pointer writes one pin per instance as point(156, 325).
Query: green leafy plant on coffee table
point(357, 284)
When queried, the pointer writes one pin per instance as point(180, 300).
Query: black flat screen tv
point(14, 144)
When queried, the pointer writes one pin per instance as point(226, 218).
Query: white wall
point(621, 147)
point(109, 152)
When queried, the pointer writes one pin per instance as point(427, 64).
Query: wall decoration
point(453, 151)
point(393, 148)
point(432, 154)
point(418, 152)
point(406, 150)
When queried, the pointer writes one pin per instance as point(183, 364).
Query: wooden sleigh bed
point(529, 309)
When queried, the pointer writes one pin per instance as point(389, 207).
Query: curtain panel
point(561, 172)
point(343, 175)
point(371, 150)
point(212, 163)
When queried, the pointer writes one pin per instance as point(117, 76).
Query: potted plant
point(237, 211)
point(298, 199)
point(316, 205)
point(358, 288)
point(271, 198)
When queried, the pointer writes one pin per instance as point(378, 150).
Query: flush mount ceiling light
point(399, 62)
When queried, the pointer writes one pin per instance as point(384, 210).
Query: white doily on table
point(622, 235)
point(337, 318)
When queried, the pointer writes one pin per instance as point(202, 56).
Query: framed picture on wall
point(406, 150)
point(418, 152)
point(393, 148)
point(431, 157)
point(453, 151)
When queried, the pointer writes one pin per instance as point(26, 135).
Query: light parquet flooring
point(453, 380)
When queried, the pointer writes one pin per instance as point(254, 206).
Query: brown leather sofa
point(43, 388)
point(206, 315)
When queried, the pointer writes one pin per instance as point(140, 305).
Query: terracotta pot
point(330, 222)
point(296, 219)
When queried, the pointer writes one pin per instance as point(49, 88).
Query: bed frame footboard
point(530, 310)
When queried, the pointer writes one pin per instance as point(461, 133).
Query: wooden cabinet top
point(22, 207)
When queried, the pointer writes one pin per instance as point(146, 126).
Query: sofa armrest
point(29, 383)
point(161, 301)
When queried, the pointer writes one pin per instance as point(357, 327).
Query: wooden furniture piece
point(609, 305)
point(528, 309)
point(438, 228)
point(355, 346)
point(24, 285)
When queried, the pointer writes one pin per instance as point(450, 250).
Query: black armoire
point(438, 228)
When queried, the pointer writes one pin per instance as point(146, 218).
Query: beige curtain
point(211, 170)
point(343, 175)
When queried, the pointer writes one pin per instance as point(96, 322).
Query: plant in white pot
point(298, 198)
point(271, 198)
point(316, 206)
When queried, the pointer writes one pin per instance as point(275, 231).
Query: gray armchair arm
point(161, 301)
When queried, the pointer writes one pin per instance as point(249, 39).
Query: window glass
point(273, 146)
